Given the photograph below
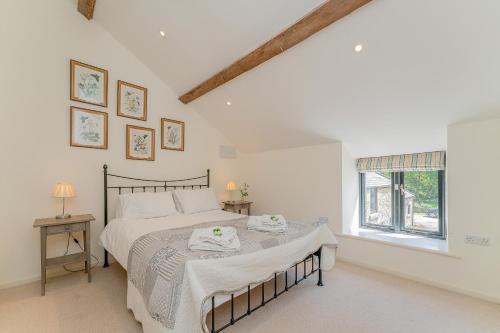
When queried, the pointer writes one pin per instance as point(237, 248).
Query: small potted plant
point(244, 191)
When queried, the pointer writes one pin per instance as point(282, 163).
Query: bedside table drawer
point(237, 206)
point(57, 229)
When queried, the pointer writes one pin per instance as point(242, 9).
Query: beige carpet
point(353, 299)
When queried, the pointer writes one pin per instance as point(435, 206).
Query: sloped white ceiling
point(425, 64)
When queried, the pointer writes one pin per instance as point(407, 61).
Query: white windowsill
point(413, 242)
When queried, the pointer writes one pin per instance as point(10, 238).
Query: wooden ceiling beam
point(86, 8)
point(323, 16)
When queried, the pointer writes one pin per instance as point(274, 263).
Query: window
point(403, 202)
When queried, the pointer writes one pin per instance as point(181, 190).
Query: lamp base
point(63, 216)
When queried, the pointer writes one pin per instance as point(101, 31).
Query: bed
point(175, 293)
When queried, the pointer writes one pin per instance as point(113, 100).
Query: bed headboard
point(132, 184)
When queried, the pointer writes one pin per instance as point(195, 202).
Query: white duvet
point(203, 278)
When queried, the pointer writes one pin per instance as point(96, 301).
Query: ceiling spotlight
point(228, 103)
point(358, 48)
point(162, 33)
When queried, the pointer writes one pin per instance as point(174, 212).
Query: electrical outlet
point(477, 240)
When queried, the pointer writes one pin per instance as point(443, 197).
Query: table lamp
point(231, 187)
point(63, 190)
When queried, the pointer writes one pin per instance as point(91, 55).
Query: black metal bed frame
point(149, 183)
point(174, 184)
point(264, 301)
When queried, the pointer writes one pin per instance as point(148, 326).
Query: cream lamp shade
point(231, 186)
point(63, 190)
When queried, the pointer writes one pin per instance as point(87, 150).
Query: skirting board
point(432, 283)
point(19, 282)
point(51, 273)
point(59, 272)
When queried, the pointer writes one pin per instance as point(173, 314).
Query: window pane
point(421, 203)
point(378, 199)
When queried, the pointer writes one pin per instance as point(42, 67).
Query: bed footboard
point(299, 277)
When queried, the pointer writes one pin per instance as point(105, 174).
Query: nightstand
point(237, 206)
point(52, 226)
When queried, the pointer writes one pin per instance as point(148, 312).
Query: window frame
point(398, 207)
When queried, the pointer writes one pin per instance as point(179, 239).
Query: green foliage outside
point(424, 185)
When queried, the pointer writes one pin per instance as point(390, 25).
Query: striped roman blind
point(407, 162)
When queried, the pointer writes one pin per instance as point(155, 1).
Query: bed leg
point(232, 309)
point(263, 302)
point(249, 310)
point(213, 315)
point(320, 273)
point(106, 263)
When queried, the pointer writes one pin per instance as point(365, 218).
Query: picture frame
point(88, 84)
point(88, 128)
point(132, 101)
point(140, 143)
point(172, 134)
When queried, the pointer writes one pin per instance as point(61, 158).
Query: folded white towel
point(259, 224)
point(224, 238)
point(273, 220)
point(266, 229)
point(206, 239)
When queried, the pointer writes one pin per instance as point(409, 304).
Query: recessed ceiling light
point(358, 48)
point(228, 103)
point(162, 33)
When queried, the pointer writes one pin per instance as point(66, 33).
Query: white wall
point(350, 192)
point(308, 182)
point(38, 40)
point(301, 183)
point(472, 157)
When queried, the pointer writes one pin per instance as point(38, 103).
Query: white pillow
point(145, 205)
point(194, 201)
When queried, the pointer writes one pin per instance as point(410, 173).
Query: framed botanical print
point(88, 84)
point(132, 101)
point(172, 134)
point(140, 143)
point(88, 128)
